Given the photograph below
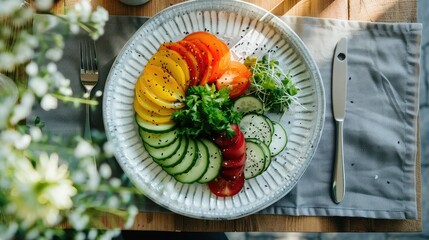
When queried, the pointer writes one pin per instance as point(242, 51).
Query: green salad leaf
point(271, 84)
point(207, 111)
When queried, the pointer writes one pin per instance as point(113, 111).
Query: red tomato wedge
point(195, 50)
point(222, 141)
point(236, 150)
point(224, 187)
point(232, 173)
point(189, 58)
point(208, 61)
point(234, 162)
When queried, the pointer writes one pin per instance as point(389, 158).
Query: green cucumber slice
point(215, 161)
point(255, 162)
point(249, 104)
point(177, 157)
point(158, 140)
point(154, 128)
point(279, 142)
point(188, 160)
point(163, 152)
point(266, 150)
point(199, 168)
point(256, 126)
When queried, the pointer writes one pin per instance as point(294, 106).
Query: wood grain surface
point(366, 10)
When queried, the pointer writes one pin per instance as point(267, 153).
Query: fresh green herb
point(207, 111)
point(271, 84)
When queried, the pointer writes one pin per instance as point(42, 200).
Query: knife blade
point(339, 95)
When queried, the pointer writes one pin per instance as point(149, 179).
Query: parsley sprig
point(207, 112)
point(271, 84)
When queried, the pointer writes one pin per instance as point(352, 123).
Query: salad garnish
point(270, 84)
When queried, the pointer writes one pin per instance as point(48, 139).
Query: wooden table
point(367, 10)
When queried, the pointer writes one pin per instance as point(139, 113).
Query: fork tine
point(88, 57)
point(93, 54)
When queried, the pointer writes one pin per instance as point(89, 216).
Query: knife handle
point(338, 186)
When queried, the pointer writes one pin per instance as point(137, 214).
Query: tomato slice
point(220, 67)
point(223, 141)
point(232, 173)
point(232, 80)
point(189, 58)
point(225, 187)
point(234, 162)
point(236, 150)
point(218, 49)
point(241, 68)
point(208, 61)
point(191, 47)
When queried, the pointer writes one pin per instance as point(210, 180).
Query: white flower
point(51, 67)
point(66, 91)
point(41, 192)
point(49, 102)
point(23, 109)
point(84, 149)
point(83, 9)
point(61, 189)
point(105, 170)
point(22, 52)
point(8, 61)
point(132, 213)
point(44, 5)
point(32, 69)
point(115, 182)
point(98, 93)
point(54, 54)
point(38, 85)
point(108, 149)
point(35, 133)
point(77, 218)
point(23, 142)
point(74, 28)
point(113, 202)
point(9, 6)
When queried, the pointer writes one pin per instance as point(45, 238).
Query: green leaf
point(207, 110)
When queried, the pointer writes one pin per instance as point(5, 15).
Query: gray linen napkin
point(380, 127)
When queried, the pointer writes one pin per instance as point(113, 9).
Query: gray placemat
point(380, 130)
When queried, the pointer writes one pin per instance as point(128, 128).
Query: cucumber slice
point(177, 157)
point(266, 150)
point(249, 104)
point(280, 139)
point(199, 168)
point(256, 126)
point(163, 152)
point(270, 123)
point(255, 162)
point(158, 140)
point(154, 128)
point(188, 160)
point(215, 161)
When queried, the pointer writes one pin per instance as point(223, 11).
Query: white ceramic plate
point(247, 29)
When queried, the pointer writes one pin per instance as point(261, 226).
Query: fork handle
point(87, 126)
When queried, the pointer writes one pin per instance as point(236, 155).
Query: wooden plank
point(321, 8)
point(383, 11)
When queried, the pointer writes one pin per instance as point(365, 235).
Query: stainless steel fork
point(88, 77)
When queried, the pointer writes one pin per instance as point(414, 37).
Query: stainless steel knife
point(339, 94)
